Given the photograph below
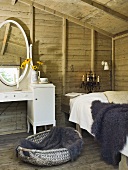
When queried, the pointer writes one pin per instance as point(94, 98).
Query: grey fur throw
point(110, 128)
point(58, 137)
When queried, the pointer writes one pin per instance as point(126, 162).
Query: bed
point(80, 109)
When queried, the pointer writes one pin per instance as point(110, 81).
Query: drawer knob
point(35, 98)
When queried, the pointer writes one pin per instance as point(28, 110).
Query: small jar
point(34, 76)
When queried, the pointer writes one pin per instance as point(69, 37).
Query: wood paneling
point(121, 63)
point(13, 117)
point(79, 57)
point(103, 53)
point(104, 17)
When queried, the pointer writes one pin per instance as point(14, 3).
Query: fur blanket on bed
point(110, 128)
point(58, 137)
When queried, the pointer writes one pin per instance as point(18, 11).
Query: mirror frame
point(27, 48)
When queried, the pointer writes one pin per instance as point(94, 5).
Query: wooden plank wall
point(103, 52)
point(47, 47)
point(13, 117)
point(78, 56)
point(121, 63)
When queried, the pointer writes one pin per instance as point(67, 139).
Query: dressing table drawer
point(15, 96)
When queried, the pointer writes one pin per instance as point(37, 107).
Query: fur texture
point(110, 128)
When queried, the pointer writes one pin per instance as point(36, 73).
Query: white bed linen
point(80, 111)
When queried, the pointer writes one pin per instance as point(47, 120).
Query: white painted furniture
point(40, 104)
point(9, 96)
point(41, 110)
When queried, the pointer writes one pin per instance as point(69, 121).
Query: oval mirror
point(14, 49)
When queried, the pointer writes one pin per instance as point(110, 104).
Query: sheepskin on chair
point(52, 147)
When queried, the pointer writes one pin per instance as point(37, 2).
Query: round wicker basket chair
point(48, 157)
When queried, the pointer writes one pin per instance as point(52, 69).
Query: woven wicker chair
point(43, 157)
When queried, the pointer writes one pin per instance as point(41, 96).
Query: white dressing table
point(40, 104)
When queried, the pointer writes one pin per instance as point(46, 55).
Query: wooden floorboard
point(88, 160)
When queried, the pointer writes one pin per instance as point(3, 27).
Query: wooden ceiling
point(109, 17)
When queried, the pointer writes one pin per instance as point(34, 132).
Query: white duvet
point(80, 109)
